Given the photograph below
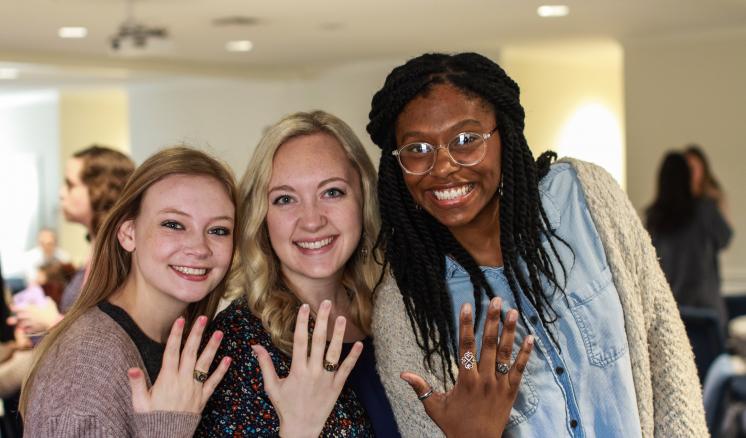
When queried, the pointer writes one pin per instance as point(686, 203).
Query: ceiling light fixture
point(239, 46)
point(552, 11)
point(8, 73)
point(73, 32)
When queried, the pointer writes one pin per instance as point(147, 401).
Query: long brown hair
point(110, 264)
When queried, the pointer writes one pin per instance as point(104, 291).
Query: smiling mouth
point(190, 271)
point(453, 193)
point(314, 244)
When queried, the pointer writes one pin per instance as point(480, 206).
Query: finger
point(188, 358)
point(521, 361)
point(269, 375)
point(421, 388)
point(139, 387)
point(205, 359)
point(347, 365)
point(467, 358)
point(318, 341)
point(173, 346)
point(335, 347)
point(11, 320)
point(507, 337)
point(488, 353)
point(300, 338)
point(209, 387)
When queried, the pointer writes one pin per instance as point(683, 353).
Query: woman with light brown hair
point(304, 253)
point(159, 262)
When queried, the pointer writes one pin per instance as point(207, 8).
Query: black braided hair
point(415, 244)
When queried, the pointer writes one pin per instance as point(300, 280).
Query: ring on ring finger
point(330, 366)
point(200, 376)
point(502, 368)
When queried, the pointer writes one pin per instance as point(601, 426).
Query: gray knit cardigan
point(669, 398)
point(81, 388)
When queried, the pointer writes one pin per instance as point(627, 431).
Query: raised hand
point(479, 403)
point(182, 384)
point(305, 398)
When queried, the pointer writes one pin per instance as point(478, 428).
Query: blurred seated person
point(688, 233)
point(44, 253)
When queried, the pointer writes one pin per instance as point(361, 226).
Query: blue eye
point(333, 193)
point(282, 200)
point(220, 231)
point(172, 225)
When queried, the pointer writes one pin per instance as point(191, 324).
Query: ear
point(126, 235)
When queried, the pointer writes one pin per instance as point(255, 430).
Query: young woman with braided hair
point(481, 221)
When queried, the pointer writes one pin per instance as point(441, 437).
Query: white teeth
point(190, 271)
point(315, 245)
point(453, 193)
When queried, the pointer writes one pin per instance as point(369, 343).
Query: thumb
point(420, 387)
point(269, 375)
point(140, 395)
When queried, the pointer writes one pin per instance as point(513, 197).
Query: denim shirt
point(584, 388)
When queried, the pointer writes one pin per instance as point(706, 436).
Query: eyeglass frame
point(485, 136)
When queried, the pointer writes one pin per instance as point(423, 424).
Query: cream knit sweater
point(669, 398)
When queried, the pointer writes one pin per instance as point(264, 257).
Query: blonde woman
point(308, 196)
point(159, 262)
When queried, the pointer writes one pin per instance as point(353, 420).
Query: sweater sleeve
point(163, 424)
point(663, 363)
point(394, 341)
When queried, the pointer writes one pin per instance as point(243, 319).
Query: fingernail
point(202, 320)
point(512, 316)
point(218, 335)
point(180, 322)
point(466, 311)
point(304, 307)
point(253, 350)
point(530, 340)
point(227, 360)
point(326, 304)
point(496, 303)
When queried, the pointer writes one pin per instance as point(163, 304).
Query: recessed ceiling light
point(72, 32)
point(552, 11)
point(8, 73)
point(239, 46)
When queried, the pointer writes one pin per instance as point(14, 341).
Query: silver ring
point(502, 368)
point(468, 360)
point(424, 396)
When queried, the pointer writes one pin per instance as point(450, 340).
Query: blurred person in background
point(46, 252)
point(688, 232)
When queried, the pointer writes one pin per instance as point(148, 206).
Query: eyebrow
point(456, 126)
point(181, 213)
point(287, 188)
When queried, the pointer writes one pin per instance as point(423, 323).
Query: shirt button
point(573, 424)
point(534, 320)
point(559, 371)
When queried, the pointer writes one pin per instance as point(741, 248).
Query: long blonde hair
point(256, 272)
point(110, 263)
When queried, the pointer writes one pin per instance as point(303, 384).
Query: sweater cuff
point(166, 424)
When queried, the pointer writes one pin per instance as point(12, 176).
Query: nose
point(312, 217)
point(443, 165)
point(197, 246)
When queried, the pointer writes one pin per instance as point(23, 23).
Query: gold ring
point(200, 376)
point(330, 366)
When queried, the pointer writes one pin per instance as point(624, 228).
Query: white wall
point(690, 89)
point(29, 173)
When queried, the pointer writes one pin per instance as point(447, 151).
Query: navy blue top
point(366, 384)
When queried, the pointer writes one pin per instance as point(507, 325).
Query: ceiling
point(293, 34)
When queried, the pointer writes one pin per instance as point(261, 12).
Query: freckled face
point(181, 240)
point(454, 195)
point(314, 217)
point(74, 198)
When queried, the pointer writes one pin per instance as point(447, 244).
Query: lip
point(191, 277)
point(450, 203)
point(314, 251)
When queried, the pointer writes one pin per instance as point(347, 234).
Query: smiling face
point(456, 196)
point(181, 240)
point(314, 216)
